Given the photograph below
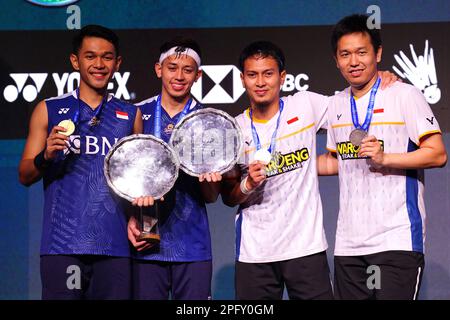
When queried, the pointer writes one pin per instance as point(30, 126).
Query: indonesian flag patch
point(378, 110)
point(122, 115)
point(292, 120)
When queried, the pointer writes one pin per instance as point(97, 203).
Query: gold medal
point(68, 125)
point(169, 128)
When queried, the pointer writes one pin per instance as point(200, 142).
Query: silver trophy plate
point(207, 140)
point(141, 165)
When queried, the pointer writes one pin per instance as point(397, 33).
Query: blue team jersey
point(183, 221)
point(81, 214)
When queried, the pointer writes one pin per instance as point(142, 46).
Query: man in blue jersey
point(84, 249)
point(181, 265)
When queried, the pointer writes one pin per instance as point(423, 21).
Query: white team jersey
point(282, 219)
point(380, 209)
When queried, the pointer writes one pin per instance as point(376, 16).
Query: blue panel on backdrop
point(146, 14)
point(14, 228)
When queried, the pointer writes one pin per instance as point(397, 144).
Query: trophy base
point(153, 238)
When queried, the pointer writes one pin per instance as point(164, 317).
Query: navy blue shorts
point(79, 277)
point(157, 280)
point(388, 275)
point(305, 278)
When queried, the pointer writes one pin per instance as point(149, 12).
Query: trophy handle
point(149, 226)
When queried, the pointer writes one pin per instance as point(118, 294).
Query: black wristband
point(40, 162)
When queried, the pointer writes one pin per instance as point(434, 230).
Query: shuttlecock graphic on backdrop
point(421, 72)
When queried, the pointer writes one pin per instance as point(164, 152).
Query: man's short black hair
point(97, 31)
point(262, 49)
point(183, 43)
point(355, 23)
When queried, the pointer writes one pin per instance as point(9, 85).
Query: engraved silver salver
point(141, 165)
point(207, 140)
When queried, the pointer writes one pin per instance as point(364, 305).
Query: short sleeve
point(419, 118)
point(319, 104)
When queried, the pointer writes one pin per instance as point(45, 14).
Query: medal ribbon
point(274, 135)
point(157, 123)
point(369, 114)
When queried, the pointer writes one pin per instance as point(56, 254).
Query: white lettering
point(374, 280)
point(71, 85)
point(93, 143)
point(374, 20)
point(60, 82)
point(105, 146)
point(292, 82)
point(122, 91)
point(74, 280)
point(288, 83)
point(74, 20)
point(298, 78)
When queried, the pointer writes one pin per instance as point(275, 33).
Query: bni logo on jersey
point(420, 71)
point(28, 85)
point(52, 3)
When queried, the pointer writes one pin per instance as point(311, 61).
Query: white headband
point(180, 51)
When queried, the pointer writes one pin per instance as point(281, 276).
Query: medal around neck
point(263, 155)
point(94, 122)
point(356, 136)
point(207, 140)
point(141, 165)
point(68, 125)
point(360, 131)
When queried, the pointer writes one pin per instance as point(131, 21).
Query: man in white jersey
point(383, 139)
point(279, 231)
point(280, 239)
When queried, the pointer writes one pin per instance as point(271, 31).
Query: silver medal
point(263, 155)
point(356, 137)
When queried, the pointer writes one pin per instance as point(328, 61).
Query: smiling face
point(357, 60)
point(96, 61)
point(262, 80)
point(178, 74)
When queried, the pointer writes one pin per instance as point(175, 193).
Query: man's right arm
point(234, 191)
point(40, 146)
point(230, 189)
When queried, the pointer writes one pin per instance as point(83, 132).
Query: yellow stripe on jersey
point(341, 125)
point(284, 137)
point(372, 124)
point(429, 132)
point(296, 132)
point(387, 123)
point(331, 150)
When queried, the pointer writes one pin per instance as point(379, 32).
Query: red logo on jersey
point(292, 120)
point(378, 110)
